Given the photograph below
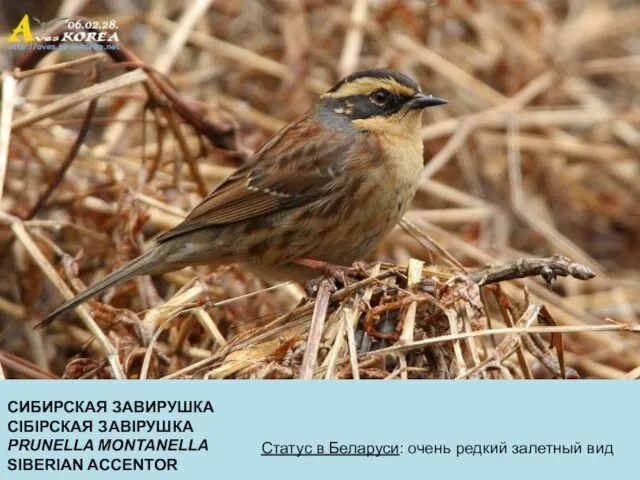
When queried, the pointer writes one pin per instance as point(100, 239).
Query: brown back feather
point(295, 167)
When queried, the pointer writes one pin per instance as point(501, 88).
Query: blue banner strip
point(312, 430)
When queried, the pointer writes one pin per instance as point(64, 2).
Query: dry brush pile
point(530, 188)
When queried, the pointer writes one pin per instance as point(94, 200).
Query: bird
point(327, 187)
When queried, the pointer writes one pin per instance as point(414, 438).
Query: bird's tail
point(139, 266)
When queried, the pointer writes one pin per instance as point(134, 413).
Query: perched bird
point(327, 187)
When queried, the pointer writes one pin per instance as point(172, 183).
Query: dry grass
point(536, 154)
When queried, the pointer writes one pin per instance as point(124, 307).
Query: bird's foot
point(337, 275)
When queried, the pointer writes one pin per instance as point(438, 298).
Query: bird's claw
point(335, 275)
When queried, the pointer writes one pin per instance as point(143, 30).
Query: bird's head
point(377, 99)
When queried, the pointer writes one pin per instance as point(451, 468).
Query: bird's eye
point(381, 97)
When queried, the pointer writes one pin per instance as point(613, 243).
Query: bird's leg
point(329, 271)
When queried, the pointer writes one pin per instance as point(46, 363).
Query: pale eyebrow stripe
point(363, 86)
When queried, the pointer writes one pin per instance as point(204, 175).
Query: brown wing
point(289, 171)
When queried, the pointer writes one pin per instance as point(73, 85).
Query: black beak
point(421, 100)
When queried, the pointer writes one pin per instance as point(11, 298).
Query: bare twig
point(6, 112)
point(315, 332)
point(547, 268)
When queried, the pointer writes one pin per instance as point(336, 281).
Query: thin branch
point(310, 358)
point(548, 268)
point(505, 331)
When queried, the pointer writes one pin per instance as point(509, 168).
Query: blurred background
point(536, 153)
